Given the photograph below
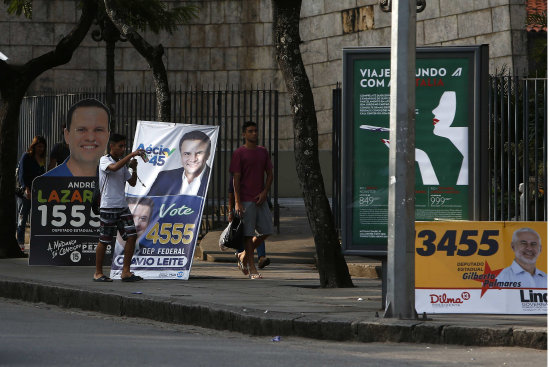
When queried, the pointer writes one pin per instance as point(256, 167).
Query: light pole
point(400, 301)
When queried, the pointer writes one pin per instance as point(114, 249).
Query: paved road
point(44, 335)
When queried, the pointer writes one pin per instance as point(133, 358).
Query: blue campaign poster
point(168, 202)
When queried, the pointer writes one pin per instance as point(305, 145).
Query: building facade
point(230, 45)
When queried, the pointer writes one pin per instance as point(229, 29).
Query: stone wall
point(230, 44)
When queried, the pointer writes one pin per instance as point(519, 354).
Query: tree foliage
point(155, 15)
point(537, 19)
point(538, 48)
point(152, 15)
point(19, 7)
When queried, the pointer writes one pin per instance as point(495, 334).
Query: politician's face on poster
point(87, 137)
point(525, 242)
point(171, 147)
point(195, 149)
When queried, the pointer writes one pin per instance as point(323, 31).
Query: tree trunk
point(153, 55)
point(111, 36)
point(9, 130)
point(333, 270)
point(14, 81)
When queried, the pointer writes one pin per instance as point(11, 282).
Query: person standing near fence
point(31, 165)
point(60, 152)
point(250, 164)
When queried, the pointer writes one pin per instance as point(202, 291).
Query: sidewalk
point(287, 302)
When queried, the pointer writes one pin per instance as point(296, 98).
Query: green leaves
point(20, 6)
point(538, 19)
point(154, 15)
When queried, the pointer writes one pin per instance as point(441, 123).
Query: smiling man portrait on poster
point(527, 247)
point(192, 177)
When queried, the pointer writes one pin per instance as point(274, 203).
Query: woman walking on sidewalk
point(31, 165)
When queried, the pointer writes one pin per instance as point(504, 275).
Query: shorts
point(256, 219)
point(113, 219)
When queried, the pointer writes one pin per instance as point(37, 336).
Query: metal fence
point(517, 143)
point(518, 146)
point(228, 109)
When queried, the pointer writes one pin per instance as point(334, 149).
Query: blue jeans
point(260, 250)
point(24, 208)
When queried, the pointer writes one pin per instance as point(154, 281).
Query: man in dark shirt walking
point(249, 164)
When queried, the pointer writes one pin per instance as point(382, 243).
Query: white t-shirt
point(193, 187)
point(112, 184)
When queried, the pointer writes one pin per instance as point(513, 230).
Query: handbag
point(19, 190)
point(222, 240)
point(233, 235)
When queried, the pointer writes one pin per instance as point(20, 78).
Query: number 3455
point(466, 245)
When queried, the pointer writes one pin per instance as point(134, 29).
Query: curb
point(258, 322)
point(369, 271)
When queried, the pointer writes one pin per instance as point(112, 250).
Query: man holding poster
point(523, 272)
point(114, 212)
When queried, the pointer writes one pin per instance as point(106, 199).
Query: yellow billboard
point(481, 267)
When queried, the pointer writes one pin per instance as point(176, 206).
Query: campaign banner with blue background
point(168, 200)
point(64, 229)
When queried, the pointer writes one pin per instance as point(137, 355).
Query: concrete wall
point(230, 44)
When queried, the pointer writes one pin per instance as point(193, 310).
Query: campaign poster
point(481, 267)
point(64, 230)
point(168, 200)
point(447, 146)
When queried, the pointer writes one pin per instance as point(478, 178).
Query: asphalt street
point(44, 335)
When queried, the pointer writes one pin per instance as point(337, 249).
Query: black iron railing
point(518, 146)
